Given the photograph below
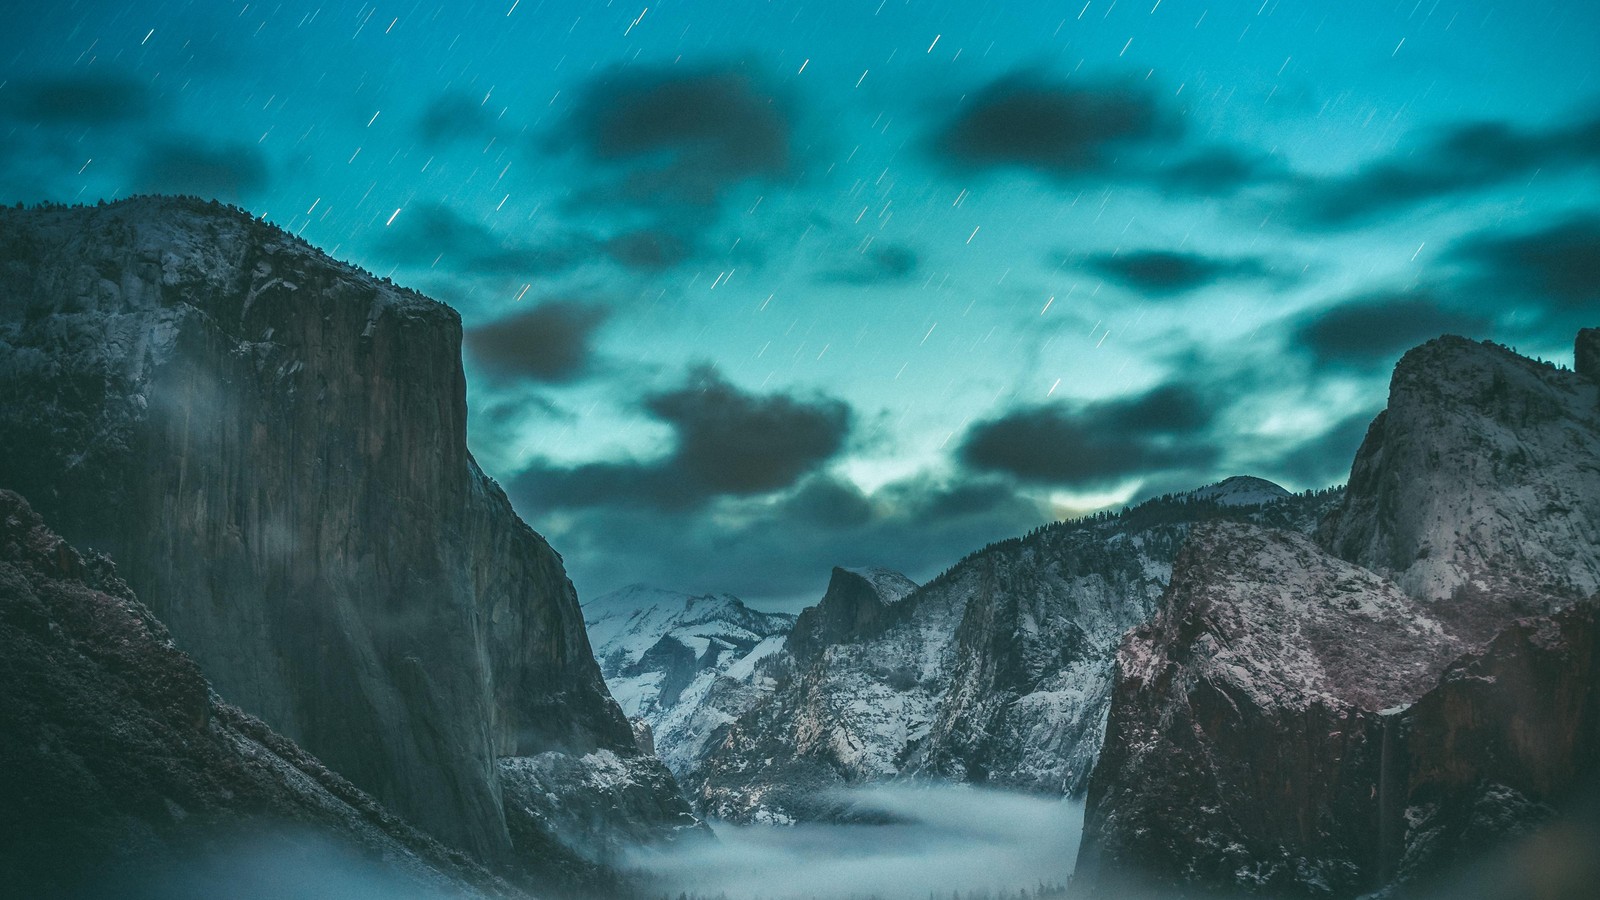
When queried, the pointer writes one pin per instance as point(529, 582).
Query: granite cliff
point(272, 445)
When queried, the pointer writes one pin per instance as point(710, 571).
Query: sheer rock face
point(273, 446)
point(1478, 489)
point(1291, 723)
point(998, 672)
point(1245, 745)
point(120, 763)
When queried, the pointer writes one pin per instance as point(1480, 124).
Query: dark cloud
point(781, 550)
point(726, 443)
point(187, 165)
point(1097, 443)
point(1458, 159)
point(1216, 170)
point(455, 116)
point(881, 263)
point(1324, 459)
point(434, 235)
point(1556, 268)
point(549, 342)
point(1160, 273)
point(98, 99)
point(648, 249)
point(1059, 128)
point(1371, 331)
point(673, 135)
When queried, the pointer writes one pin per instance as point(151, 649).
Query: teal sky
point(752, 289)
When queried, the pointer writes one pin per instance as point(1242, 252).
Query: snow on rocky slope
point(997, 672)
point(682, 664)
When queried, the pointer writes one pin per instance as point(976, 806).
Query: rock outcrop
point(1478, 489)
point(123, 770)
point(854, 608)
point(1296, 722)
point(272, 445)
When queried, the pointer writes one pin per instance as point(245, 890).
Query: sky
point(753, 289)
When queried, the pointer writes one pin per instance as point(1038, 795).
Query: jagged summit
point(1241, 490)
point(856, 606)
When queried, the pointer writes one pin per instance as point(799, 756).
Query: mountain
point(122, 767)
point(272, 444)
point(683, 665)
point(998, 672)
point(1409, 691)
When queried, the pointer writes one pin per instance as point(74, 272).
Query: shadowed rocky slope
point(272, 445)
point(122, 768)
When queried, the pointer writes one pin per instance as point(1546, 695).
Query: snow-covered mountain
point(997, 672)
point(684, 665)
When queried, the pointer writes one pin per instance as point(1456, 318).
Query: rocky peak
point(856, 606)
point(1478, 489)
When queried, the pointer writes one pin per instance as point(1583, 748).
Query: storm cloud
point(1097, 443)
point(550, 342)
point(1556, 267)
point(670, 135)
point(434, 235)
point(228, 172)
point(726, 442)
point(104, 98)
point(1371, 331)
point(1057, 128)
point(1165, 273)
point(1461, 158)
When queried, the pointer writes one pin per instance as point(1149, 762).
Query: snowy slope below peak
point(683, 664)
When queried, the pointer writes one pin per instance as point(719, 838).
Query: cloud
point(1371, 331)
point(879, 264)
point(1160, 273)
point(1057, 128)
point(778, 549)
point(187, 165)
point(105, 98)
point(432, 234)
point(647, 249)
point(1097, 443)
point(726, 443)
point(1325, 458)
point(1556, 267)
point(1456, 160)
point(455, 116)
point(549, 342)
point(679, 136)
point(1215, 170)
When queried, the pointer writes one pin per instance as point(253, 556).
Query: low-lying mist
point(940, 840)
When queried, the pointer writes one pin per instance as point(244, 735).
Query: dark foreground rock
point(272, 444)
point(125, 775)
